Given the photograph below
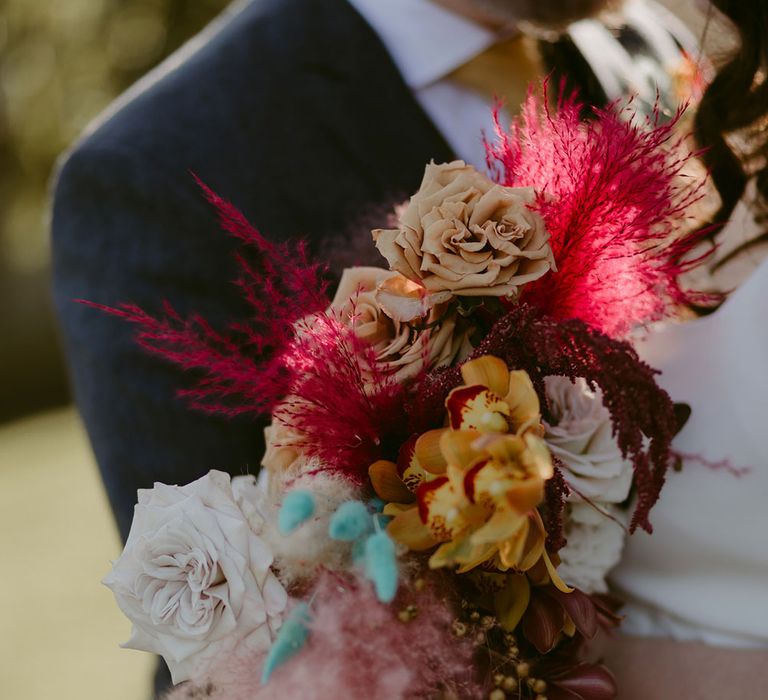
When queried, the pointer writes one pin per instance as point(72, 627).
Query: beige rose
point(282, 456)
point(464, 234)
point(378, 305)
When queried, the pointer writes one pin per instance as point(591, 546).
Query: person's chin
point(547, 13)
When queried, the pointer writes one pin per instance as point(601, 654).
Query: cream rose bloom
point(387, 310)
point(595, 543)
point(194, 578)
point(462, 233)
point(581, 436)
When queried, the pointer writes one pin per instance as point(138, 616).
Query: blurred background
point(61, 63)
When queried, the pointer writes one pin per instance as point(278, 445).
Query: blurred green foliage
point(61, 63)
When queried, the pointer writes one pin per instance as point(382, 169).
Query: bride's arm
point(660, 669)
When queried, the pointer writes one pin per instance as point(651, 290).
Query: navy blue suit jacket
point(286, 110)
point(291, 109)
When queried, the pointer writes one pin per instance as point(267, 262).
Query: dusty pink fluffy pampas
point(357, 649)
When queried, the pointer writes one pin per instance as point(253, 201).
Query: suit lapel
point(364, 106)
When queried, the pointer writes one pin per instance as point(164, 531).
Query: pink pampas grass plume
point(357, 648)
point(615, 199)
point(348, 412)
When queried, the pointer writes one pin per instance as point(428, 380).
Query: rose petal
point(403, 299)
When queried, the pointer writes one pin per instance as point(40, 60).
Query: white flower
point(581, 436)
point(594, 546)
point(194, 578)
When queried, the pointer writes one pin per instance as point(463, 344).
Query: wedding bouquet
point(460, 440)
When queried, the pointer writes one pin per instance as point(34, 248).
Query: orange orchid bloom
point(472, 489)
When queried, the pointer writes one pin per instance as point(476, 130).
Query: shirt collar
point(425, 40)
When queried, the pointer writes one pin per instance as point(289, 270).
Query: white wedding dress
point(703, 575)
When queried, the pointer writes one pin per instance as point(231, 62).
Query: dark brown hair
point(736, 105)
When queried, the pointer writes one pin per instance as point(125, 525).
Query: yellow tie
point(505, 71)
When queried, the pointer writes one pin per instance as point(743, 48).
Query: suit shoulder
point(206, 87)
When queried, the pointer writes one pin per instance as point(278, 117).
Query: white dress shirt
point(428, 42)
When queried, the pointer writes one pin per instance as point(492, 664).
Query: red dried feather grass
point(643, 414)
point(348, 412)
point(290, 357)
point(615, 198)
point(241, 367)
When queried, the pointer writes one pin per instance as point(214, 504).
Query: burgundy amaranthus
point(643, 414)
point(553, 511)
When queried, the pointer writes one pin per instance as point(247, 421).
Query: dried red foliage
point(545, 617)
point(562, 661)
point(347, 411)
point(575, 681)
point(615, 200)
point(559, 660)
point(553, 509)
point(643, 414)
point(240, 366)
point(290, 357)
